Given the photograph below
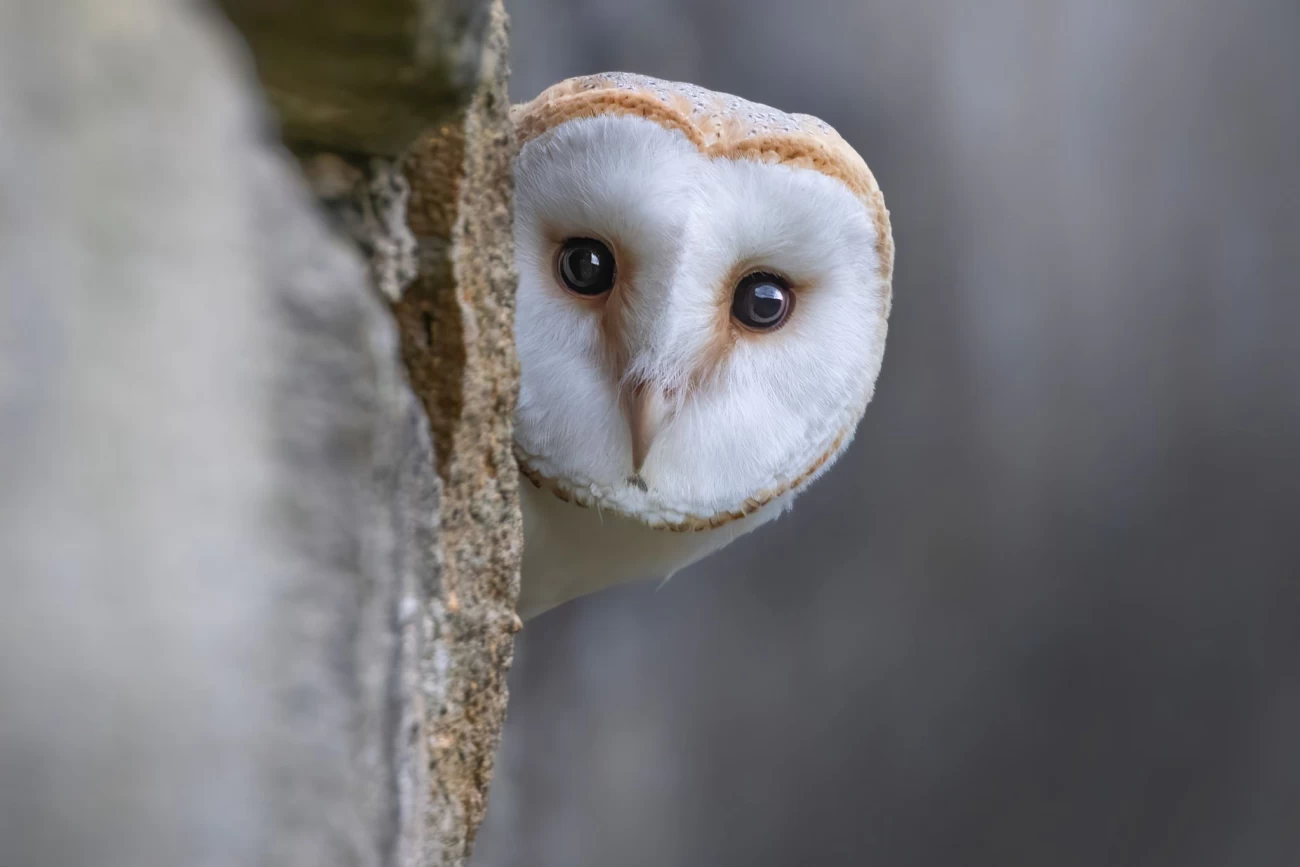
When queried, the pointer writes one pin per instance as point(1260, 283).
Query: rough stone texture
point(366, 199)
point(219, 512)
point(457, 322)
point(363, 75)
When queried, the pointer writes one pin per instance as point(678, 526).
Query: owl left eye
point(762, 302)
point(586, 266)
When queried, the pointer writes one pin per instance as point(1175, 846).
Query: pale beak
point(647, 409)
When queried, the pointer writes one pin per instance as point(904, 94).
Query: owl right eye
point(586, 266)
point(762, 302)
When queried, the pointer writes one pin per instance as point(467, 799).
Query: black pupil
point(767, 300)
point(762, 302)
point(587, 266)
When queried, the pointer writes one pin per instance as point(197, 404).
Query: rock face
point(457, 335)
point(247, 618)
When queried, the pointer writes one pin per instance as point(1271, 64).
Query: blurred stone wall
point(1044, 612)
point(245, 616)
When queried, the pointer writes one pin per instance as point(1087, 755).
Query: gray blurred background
point(1046, 611)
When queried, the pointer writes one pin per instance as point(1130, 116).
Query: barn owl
point(704, 290)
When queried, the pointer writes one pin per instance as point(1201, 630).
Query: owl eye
point(762, 302)
point(586, 266)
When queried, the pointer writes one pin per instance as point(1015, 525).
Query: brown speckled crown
point(720, 125)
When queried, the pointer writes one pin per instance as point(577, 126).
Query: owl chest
point(571, 550)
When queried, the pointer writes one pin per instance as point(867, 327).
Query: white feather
point(777, 404)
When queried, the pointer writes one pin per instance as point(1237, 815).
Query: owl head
point(704, 289)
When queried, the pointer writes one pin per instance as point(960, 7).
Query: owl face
point(699, 331)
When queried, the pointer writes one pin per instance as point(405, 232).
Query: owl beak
point(646, 406)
